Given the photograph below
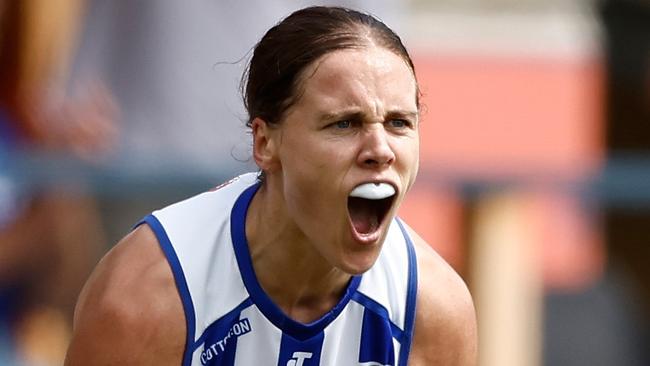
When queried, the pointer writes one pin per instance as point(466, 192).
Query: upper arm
point(129, 312)
point(445, 323)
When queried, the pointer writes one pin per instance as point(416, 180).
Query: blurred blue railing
point(623, 181)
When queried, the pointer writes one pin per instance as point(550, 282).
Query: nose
point(376, 151)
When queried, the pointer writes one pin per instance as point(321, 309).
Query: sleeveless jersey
point(231, 321)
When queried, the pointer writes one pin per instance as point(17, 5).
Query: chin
point(358, 264)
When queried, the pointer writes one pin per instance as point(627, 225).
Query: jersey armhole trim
point(411, 297)
point(181, 283)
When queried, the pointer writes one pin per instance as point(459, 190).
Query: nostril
point(371, 162)
point(377, 162)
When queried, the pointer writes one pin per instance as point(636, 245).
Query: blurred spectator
point(49, 239)
point(627, 43)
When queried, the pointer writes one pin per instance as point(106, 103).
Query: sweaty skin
point(356, 121)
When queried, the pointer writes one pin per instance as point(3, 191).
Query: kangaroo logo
point(299, 358)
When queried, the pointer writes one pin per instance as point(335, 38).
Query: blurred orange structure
point(513, 117)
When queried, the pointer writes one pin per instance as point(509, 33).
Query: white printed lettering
point(214, 349)
point(245, 326)
point(240, 328)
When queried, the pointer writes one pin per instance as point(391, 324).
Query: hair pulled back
point(270, 84)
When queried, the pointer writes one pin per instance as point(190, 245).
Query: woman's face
point(355, 122)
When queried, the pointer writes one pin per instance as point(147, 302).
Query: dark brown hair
point(271, 82)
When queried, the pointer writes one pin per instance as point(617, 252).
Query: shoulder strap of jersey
point(411, 297)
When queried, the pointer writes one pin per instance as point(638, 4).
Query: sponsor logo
point(240, 328)
point(298, 358)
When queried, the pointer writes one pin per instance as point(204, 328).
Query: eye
point(342, 124)
point(399, 123)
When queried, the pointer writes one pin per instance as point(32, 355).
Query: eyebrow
point(403, 114)
point(353, 114)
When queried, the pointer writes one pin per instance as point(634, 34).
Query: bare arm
point(129, 312)
point(445, 324)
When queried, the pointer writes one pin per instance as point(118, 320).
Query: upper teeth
point(373, 191)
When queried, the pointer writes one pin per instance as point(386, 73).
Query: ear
point(265, 145)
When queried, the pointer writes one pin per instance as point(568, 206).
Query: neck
point(287, 265)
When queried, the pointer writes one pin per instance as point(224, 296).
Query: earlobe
point(264, 147)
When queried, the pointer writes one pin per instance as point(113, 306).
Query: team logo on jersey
point(216, 349)
point(298, 358)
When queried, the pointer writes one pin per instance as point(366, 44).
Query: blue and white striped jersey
point(231, 321)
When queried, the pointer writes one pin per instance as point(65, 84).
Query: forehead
point(366, 77)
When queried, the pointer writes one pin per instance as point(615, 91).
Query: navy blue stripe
point(181, 283)
point(411, 298)
point(376, 340)
point(306, 352)
point(270, 310)
point(245, 304)
point(380, 310)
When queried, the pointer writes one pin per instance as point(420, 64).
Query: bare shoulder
point(445, 323)
point(129, 312)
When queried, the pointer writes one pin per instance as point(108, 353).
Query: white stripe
point(343, 337)
point(387, 281)
point(262, 345)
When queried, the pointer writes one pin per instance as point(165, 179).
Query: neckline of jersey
point(269, 309)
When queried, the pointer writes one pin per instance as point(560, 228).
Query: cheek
point(312, 177)
point(409, 151)
point(416, 164)
point(315, 158)
point(410, 163)
point(304, 172)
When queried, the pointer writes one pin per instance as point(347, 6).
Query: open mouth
point(368, 205)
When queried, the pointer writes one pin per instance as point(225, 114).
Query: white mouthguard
point(373, 191)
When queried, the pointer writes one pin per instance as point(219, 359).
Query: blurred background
point(534, 182)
